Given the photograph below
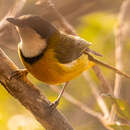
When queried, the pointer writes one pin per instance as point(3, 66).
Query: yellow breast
point(49, 70)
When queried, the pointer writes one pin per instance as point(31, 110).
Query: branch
point(97, 95)
point(15, 9)
point(119, 43)
point(68, 29)
point(105, 84)
point(30, 97)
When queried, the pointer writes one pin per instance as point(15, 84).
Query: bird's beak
point(14, 21)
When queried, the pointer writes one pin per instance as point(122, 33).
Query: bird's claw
point(18, 74)
point(54, 104)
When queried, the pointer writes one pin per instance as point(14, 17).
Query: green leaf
point(123, 108)
point(118, 126)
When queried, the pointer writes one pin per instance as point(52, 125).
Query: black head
point(41, 26)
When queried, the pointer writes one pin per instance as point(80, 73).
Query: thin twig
point(15, 9)
point(106, 85)
point(97, 95)
point(63, 22)
point(119, 44)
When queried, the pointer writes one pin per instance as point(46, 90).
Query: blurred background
point(95, 21)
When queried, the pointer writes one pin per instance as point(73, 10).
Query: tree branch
point(119, 44)
point(97, 95)
point(30, 97)
point(15, 9)
point(106, 85)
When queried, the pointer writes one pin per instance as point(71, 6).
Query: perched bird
point(49, 55)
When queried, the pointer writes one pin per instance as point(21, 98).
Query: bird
point(51, 55)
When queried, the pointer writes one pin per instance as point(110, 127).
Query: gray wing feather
point(69, 48)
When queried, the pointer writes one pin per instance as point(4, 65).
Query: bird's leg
point(56, 102)
point(19, 74)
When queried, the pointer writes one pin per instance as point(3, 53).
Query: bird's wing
point(69, 48)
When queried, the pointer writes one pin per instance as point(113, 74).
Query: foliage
point(118, 126)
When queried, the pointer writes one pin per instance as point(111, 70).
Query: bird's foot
point(54, 104)
point(20, 73)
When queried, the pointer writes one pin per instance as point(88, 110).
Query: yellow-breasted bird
point(50, 55)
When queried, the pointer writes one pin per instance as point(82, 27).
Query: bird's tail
point(92, 59)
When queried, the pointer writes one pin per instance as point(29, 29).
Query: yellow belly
point(50, 71)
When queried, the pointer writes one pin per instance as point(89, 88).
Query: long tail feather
point(91, 58)
point(88, 50)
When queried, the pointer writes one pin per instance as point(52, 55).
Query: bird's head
point(34, 33)
point(25, 24)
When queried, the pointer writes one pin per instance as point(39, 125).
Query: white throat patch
point(31, 43)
